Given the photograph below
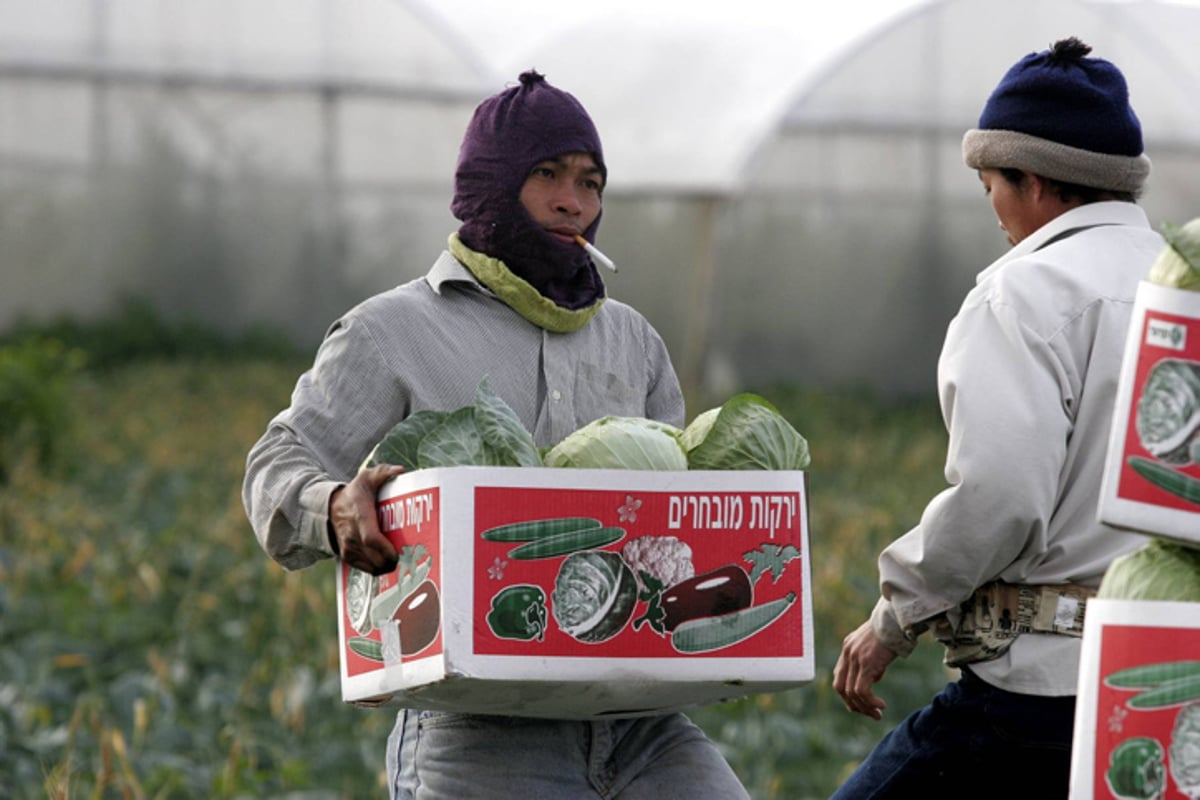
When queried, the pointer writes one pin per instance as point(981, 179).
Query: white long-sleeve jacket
point(1027, 379)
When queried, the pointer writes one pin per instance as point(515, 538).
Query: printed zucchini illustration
point(714, 633)
point(534, 529)
point(561, 544)
point(1171, 480)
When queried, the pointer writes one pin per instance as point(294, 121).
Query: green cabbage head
point(746, 432)
point(1178, 265)
point(620, 443)
point(1159, 570)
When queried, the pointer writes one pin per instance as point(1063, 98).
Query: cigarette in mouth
point(596, 255)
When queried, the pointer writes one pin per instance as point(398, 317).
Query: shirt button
point(556, 395)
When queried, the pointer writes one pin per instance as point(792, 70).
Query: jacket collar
point(1088, 215)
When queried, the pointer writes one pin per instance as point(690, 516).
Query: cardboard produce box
point(1152, 474)
point(533, 591)
point(1137, 713)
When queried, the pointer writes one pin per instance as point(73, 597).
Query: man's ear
point(1035, 186)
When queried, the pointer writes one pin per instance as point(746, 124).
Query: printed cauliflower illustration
point(664, 558)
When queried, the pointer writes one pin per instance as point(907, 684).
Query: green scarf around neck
point(518, 294)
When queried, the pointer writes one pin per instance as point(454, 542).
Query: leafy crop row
point(151, 650)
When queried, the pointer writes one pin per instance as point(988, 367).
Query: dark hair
point(1071, 191)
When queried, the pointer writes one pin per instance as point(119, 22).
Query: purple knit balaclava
point(509, 134)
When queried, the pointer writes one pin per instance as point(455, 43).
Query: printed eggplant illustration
point(412, 599)
point(420, 618)
point(711, 594)
point(518, 612)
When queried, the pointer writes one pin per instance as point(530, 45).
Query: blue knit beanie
point(1063, 116)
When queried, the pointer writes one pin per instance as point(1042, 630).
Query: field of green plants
point(148, 648)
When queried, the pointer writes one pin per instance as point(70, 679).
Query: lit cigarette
point(596, 255)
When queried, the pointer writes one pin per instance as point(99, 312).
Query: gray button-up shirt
point(426, 345)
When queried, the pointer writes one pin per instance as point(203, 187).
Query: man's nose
point(566, 200)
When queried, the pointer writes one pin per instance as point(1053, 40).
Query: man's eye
point(543, 172)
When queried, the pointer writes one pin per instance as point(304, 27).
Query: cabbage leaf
point(486, 433)
point(746, 432)
point(620, 443)
point(400, 444)
point(1178, 264)
point(1159, 570)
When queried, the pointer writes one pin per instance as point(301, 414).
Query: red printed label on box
point(638, 574)
point(1147, 711)
point(396, 617)
point(1163, 414)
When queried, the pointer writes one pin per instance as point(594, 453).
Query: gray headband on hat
point(996, 149)
point(1064, 116)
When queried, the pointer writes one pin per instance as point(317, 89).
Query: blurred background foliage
point(151, 650)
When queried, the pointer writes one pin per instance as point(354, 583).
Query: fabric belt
point(988, 622)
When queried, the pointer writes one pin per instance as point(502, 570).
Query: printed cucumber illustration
point(367, 648)
point(715, 633)
point(1161, 685)
point(1146, 676)
point(1171, 480)
point(534, 529)
point(1169, 693)
point(560, 544)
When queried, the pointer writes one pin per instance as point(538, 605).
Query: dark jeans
point(973, 740)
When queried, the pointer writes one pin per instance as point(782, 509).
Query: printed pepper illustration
point(518, 612)
point(1135, 769)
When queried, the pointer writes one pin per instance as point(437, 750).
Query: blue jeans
point(434, 755)
point(973, 740)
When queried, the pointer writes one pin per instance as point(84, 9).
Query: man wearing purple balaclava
point(514, 298)
point(509, 135)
